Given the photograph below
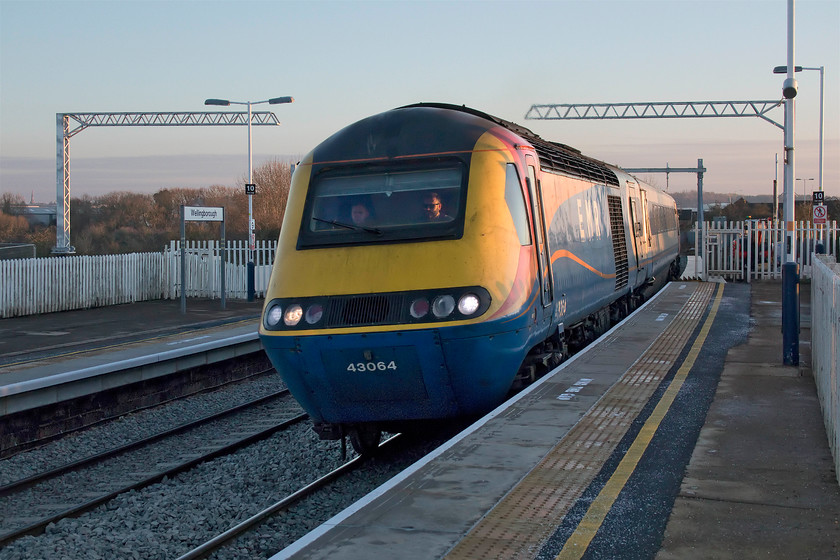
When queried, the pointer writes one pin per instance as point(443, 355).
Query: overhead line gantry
point(82, 121)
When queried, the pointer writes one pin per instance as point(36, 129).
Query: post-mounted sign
point(204, 214)
point(820, 213)
point(201, 214)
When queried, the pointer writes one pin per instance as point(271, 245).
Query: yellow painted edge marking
point(579, 541)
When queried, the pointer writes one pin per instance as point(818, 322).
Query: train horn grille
point(353, 311)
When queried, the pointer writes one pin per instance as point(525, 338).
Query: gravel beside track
point(132, 427)
point(282, 530)
point(166, 520)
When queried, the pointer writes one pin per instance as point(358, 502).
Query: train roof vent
point(562, 159)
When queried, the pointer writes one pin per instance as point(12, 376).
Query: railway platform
point(678, 435)
point(65, 357)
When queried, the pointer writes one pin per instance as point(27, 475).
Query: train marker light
point(293, 315)
point(443, 306)
point(273, 316)
point(419, 308)
point(468, 304)
point(314, 313)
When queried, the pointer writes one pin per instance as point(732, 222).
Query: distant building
point(37, 214)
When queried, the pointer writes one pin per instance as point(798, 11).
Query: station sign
point(820, 213)
point(204, 214)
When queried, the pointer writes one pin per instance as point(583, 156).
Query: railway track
point(223, 539)
point(78, 487)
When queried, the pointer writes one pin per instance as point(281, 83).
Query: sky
point(344, 61)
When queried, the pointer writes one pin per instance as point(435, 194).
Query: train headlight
point(293, 315)
point(443, 306)
point(273, 316)
point(468, 304)
point(314, 313)
point(419, 308)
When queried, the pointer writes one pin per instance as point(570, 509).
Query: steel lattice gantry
point(84, 120)
point(655, 110)
point(659, 110)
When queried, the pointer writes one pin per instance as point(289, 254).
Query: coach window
point(516, 204)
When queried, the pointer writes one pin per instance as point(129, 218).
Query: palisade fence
point(203, 262)
point(754, 249)
point(825, 346)
point(46, 285)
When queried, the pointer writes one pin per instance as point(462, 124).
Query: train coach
point(432, 257)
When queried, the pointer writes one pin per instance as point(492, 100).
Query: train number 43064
point(372, 366)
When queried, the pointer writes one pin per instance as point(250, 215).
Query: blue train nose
point(354, 378)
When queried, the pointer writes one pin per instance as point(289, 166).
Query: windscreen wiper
point(353, 227)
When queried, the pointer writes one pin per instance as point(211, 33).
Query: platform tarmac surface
point(761, 480)
point(739, 467)
point(53, 334)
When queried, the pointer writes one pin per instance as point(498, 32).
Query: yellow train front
point(408, 282)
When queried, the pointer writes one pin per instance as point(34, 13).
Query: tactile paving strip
point(529, 514)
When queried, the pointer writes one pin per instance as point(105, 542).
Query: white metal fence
point(203, 261)
point(754, 249)
point(734, 251)
point(46, 285)
point(825, 346)
point(31, 286)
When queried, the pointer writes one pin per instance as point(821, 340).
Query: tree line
point(127, 222)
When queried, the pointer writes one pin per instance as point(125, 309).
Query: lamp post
point(804, 195)
point(249, 188)
point(790, 269)
point(821, 70)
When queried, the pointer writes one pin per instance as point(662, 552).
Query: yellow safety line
point(579, 541)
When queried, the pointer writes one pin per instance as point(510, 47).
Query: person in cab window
point(360, 214)
point(434, 208)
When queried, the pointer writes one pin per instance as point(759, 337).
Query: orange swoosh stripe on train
point(563, 253)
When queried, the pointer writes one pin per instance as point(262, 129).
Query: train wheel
point(365, 439)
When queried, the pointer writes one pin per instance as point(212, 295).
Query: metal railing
point(754, 250)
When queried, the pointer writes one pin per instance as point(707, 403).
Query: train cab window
point(375, 205)
point(516, 204)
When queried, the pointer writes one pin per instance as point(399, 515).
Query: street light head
point(223, 102)
point(783, 69)
point(278, 100)
point(790, 88)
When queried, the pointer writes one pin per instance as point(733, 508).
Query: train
point(433, 258)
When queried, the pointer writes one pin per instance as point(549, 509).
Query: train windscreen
point(384, 204)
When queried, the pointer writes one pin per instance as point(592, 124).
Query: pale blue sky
point(343, 61)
